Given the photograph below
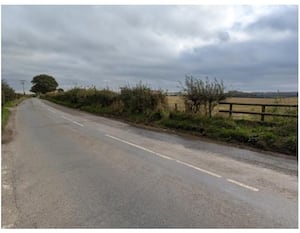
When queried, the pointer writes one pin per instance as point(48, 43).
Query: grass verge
point(5, 112)
point(277, 137)
point(281, 137)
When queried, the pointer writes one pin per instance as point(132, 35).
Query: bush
point(139, 99)
point(8, 94)
point(104, 97)
point(79, 97)
point(291, 144)
point(180, 116)
point(202, 93)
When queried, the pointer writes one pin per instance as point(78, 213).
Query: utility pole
point(23, 83)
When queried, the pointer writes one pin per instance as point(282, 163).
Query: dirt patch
point(9, 130)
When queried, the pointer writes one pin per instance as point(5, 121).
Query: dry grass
point(172, 100)
point(246, 108)
point(292, 100)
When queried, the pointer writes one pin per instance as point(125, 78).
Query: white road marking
point(165, 157)
point(242, 185)
point(140, 147)
point(75, 122)
point(66, 118)
point(51, 110)
point(199, 169)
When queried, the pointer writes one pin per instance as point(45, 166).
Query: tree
point(193, 93)
point(43, 83)
point(206, 93)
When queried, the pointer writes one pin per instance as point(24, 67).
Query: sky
point(250, 48)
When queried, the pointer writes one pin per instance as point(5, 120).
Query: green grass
point(278, 137)
point(5, 113)
point(15, 102)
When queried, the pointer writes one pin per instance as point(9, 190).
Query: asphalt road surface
point(70, 169)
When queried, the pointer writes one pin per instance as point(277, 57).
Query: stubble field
point(172, 100)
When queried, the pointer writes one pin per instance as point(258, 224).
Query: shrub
point(79, 97)
point(141, 98)
point(291, 144)
point(268, 139)
point(205, 93)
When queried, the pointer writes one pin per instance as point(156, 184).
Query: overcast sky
point(251, 48)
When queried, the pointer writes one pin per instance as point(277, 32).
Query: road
point(66, 168)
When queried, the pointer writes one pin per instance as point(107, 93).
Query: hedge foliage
point(139, 99)
point(140, 104)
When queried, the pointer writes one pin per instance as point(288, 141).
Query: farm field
point(172, 100)
point(291, 100)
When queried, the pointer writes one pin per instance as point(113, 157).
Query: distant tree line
point(278, 94)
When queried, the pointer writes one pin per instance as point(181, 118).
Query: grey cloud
point(280, 19)
point(248, 63)
point(224, 36)
point(115, 45)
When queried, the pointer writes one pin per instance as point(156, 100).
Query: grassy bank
point(5, 112)
point(277, 137)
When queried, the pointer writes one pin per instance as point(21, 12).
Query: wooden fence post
point(176, 107)
point(263, 110)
